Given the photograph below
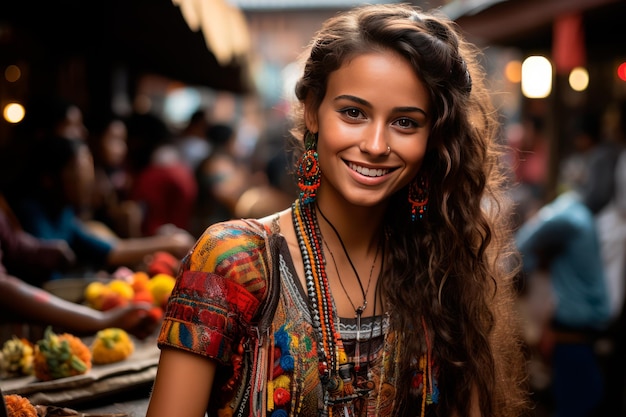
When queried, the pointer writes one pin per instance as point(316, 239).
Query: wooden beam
point(514, 18)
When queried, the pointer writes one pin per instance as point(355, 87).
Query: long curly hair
point(449, 273)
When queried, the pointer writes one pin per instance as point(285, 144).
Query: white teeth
point(368, 172)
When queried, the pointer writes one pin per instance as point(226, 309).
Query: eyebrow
point(405, 109)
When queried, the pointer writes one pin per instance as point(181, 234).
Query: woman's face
point(372, 102)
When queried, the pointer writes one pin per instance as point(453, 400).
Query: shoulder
point(234, 249)
point(228, 238)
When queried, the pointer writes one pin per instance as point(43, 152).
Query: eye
point(406, 123)
point(352, 113)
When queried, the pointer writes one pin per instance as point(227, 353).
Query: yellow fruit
point(122, 288)
point(93, 291)
point(111, 345)
point(161, 286)
point(99, 293)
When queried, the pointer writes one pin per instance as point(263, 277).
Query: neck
point(348, 261)
point(360, 228)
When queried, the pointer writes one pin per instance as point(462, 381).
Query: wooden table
point(104, 388)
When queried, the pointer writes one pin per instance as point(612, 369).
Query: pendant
point(357, 347)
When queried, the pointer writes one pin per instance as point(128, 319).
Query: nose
point(375, 141)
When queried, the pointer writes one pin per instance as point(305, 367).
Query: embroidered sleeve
point(218, 291)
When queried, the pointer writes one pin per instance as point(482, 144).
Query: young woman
point(384, 289)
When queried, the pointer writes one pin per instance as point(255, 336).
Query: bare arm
point(182, 386)
point(133, 251)
point(36, 305)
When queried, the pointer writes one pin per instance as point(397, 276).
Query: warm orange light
point(513, 71)
point(13, 112)
point(12, 73)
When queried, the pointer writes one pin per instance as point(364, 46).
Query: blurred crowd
point(85, 195)
point(572, 242)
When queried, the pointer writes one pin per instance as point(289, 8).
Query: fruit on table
point(60, 355)
point(16, 358)
point(137, 287)
point(161, 286)
point(139, 281)
point(111, 345)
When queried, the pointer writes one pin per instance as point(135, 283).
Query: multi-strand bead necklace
point(318, 290)
point(334, 369)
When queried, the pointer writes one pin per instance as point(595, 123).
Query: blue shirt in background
point(565, 232)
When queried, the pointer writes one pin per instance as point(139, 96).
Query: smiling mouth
point(368, 172)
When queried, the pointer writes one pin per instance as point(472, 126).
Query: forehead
point(379, 75)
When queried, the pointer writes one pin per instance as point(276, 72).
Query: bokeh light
point(579, 79)
point(13, 112)
point(536, 77)
point(12, 73)
point(621, 71)
point(513, 71)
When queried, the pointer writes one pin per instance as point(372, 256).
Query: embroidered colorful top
point(214, 309)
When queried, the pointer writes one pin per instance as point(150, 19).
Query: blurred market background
point(237, 57)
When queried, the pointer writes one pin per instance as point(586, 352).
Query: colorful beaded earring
point(309, 174)
point(418, 197)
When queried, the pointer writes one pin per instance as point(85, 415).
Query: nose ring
point(388, 150)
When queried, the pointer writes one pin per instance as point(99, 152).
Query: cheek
point(414, 155)
point(327, 153)
point(414, 159)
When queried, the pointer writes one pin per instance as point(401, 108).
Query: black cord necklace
point(357, 310)
point(364, 291)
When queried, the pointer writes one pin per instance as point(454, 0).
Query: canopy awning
point(144, 35)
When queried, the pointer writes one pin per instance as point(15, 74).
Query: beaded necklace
point(336, 373)
point(318, 290)
point(334, 369)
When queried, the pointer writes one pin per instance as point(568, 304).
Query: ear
point(310, 115)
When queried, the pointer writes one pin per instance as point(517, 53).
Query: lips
point(368, 172)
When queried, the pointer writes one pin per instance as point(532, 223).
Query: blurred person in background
point(611, 221)
point(193, 142)
point(531, 156)
point(221, 178)
point(46, 115)
point(231, 188)
point(60, 181)
point(23, 301)
point(162, 183)
point(593, 171)
point(111, 204)
point(28, 257)
point(562, 239)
